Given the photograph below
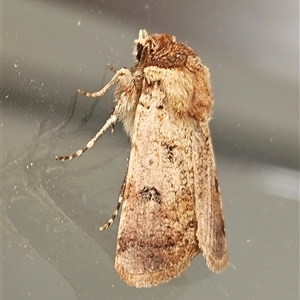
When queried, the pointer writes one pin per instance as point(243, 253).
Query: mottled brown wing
point(157, 231)
point(209, 213)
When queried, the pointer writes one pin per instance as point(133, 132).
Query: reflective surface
point(50, 210)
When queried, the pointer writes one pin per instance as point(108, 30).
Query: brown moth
point(171, 199)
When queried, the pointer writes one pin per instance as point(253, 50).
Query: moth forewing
point(208, 205)
point(157, 232)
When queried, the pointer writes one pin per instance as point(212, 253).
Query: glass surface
point(50, 210)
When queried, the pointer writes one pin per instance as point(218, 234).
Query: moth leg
point(117, 77)
point(112, 68)
point(116, 211)
point(110, 122)
point(120, 77)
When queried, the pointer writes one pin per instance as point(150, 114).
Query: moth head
point(157, 44)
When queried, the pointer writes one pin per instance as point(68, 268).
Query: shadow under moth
point(171, 203)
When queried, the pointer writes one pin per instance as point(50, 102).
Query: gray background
point(50, 248)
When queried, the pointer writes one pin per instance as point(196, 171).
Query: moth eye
point(152, 48)
point(139, 49)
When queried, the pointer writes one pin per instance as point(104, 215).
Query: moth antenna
point(140, 34)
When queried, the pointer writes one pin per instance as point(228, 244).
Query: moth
point(171, 203)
